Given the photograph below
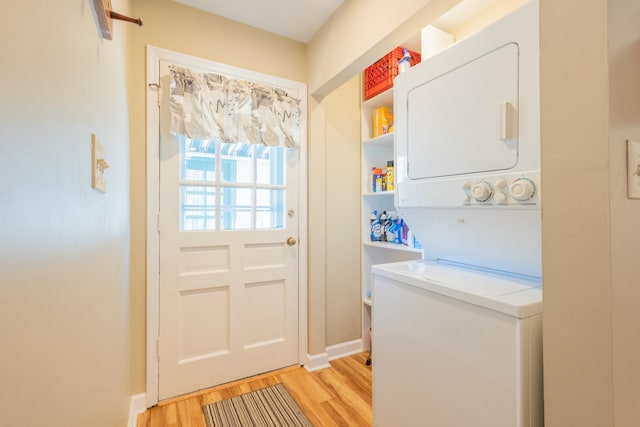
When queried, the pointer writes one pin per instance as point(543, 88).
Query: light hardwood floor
point(336, 396)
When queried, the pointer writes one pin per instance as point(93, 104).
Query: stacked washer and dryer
point(458, 336)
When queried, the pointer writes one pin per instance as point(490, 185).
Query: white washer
point(455, 347)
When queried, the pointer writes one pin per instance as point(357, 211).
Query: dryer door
point(466, 120)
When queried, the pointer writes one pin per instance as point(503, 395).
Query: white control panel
point(499, 190)
point(521, 190)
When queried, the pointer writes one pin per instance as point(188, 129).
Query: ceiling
point(301, 19)
point(295, 19)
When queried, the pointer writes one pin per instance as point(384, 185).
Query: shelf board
point(379, 194)
point(382, 140)
point(367, 301)
point(384, 99)
point(390, 246)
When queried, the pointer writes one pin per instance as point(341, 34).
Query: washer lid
point(517, 296)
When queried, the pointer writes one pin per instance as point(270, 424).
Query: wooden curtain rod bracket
point(104, 16)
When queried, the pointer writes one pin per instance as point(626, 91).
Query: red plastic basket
point(379, 76)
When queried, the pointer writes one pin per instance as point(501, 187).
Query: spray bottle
point(405, 62)
point(376, 230)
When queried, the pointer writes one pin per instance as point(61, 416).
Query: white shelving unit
point(375, 153)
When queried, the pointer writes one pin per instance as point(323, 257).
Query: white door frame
point(154, 56)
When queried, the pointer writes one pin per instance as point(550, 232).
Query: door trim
point(154, 56)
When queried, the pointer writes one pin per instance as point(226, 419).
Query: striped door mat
point(268, 407)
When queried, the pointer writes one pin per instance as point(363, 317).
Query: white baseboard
point(344, 349)
point(319, 361)
point(316, 362)
point(137, 405)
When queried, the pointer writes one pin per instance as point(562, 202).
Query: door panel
point(228, 278)
point(455, 122)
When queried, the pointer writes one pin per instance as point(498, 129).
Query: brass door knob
point(291, 241)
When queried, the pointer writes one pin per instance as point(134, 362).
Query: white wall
point(64, 248)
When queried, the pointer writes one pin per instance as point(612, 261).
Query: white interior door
point(228, 259)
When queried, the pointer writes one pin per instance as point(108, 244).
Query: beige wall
point(171, 25)
point(64, 248)
point(342, 236)
point(334, 227)
point(624, 113)
point(317, 222)
point(590, 230)
point(491, 13)
point(576, 240)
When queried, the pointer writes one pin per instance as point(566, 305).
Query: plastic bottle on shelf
point(377, 179)
point(389, 175)
point(398, 229)
point(383, 179)
point(373, 180)
point(405, 62)
point(405, 233)
point(410, 239)
point(389, 227)
point(416, 243)
point(383, 225)
point(376, 231)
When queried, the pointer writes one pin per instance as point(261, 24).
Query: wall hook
point(104, 16)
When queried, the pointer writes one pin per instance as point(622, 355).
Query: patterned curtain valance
point(216, 107)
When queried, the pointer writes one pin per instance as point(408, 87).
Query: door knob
point(291, 241)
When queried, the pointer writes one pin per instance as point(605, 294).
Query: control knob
point(482, 191)
point(501, 183)
point(522, 189)
point(501, 197)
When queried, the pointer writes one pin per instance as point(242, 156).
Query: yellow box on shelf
point(382, 121)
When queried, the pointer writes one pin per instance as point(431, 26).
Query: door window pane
point(270, 206)
point(236, 208)
point(198, 160)
point(197, 208)
point(236, 164)
point(258, 202)
point(270, 165)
